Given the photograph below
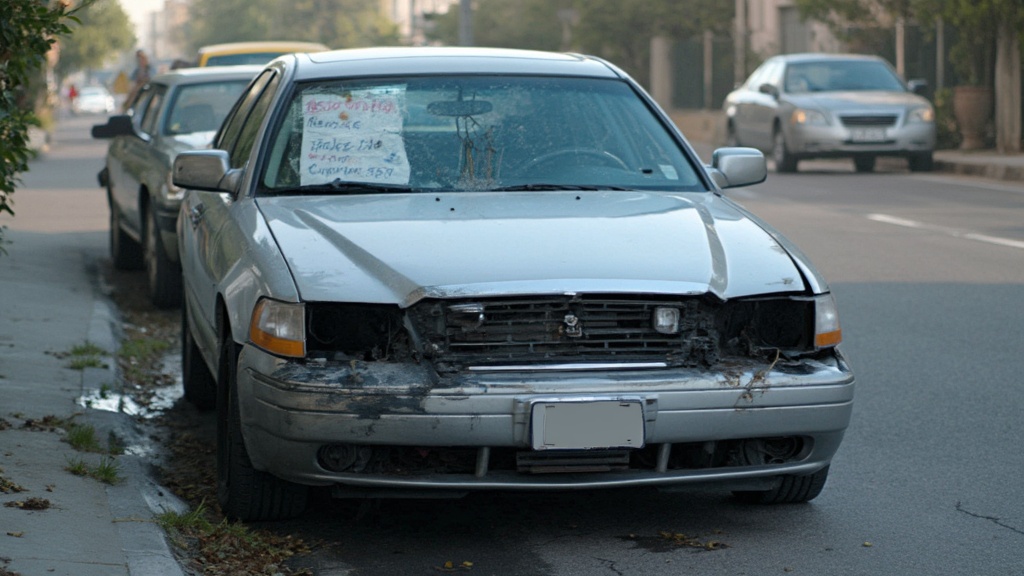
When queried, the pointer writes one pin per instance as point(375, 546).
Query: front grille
point(879, 120)
point(565, 329)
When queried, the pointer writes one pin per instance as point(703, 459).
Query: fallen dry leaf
point(29, 504)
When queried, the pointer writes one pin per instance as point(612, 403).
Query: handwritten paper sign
point(354, 137)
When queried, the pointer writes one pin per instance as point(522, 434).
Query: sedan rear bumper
point(697, 425)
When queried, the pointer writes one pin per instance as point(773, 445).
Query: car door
point(135, 156)
point(740, 102)
point(207, 216)
point(761, 109)
point(123, 191)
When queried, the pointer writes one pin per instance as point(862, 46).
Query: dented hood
point(400, 248)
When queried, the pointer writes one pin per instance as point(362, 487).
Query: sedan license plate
point(867, 135)
point(584, 425)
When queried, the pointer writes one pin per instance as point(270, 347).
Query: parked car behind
point(93, 100)
point(441, 270)
point(259, 52)
point(803, 106)
point(176, 111)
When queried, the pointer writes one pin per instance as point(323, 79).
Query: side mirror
point(208, 170)
point(119, 125)
point(734, 167)
point(918, 86)
point(769, 89)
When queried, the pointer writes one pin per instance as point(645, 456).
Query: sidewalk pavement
point(51, 521)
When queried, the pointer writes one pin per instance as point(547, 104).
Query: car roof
point(387, 61)
point(207, 74)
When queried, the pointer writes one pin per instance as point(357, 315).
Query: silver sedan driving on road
point(804, 106)
point(437, 270)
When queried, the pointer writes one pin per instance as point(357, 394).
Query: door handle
point(195, 215)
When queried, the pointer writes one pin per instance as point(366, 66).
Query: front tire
point(243, 492)
point(864, 163)
point(791, 490)
point(923, 162)
point(784, 160)
point(162, 274)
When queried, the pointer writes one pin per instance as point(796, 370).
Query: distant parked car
point(261, 52)
point(803, 106)
point(176, 111)
point(93, 100)
point(438, 270)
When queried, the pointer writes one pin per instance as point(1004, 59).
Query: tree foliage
point(618, 30)
point(974, 22)
point(104, 29)
point(336, 23)
point(28, 28)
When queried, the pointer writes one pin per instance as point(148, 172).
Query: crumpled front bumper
point(291, 410)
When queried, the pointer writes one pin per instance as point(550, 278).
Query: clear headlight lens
point(806, 117)
point(279, 327)
point(826, 322)
point(921, 114)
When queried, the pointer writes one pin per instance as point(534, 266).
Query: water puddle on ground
point(148, 403)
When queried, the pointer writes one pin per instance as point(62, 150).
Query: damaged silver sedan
point(433, 271)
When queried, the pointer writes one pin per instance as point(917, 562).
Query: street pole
point(465, 23)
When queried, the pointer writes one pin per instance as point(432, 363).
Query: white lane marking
point(897, 221)
point(972, 181)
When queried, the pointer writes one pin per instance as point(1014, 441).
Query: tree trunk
point(1008, 96)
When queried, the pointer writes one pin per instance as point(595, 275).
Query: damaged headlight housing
point(826, 322)
point(279, 327)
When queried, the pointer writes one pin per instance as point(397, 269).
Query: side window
point(233, 123)
point(148, 123)
point(138, 106)
point(247, 137)
point(774, 75)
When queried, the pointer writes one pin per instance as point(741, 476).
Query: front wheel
point(784, 160)
point(923, 162)
point(791, 490)
point(245, 493)
point(864, 163)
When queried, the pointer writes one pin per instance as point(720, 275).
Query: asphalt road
point(929, 275)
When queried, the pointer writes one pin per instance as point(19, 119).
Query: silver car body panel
point(399, 248)
point(289, 412)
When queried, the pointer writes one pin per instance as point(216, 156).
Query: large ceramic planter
point(972, 107)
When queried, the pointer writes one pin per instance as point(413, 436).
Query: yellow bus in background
point(234, 53)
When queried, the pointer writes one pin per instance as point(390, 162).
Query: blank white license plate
point(583, 425)
point(867, 135)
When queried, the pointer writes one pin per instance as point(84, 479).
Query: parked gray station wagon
point(439, 270)
point(178, 110)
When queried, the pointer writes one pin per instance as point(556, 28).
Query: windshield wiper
point(545, 187)
point(339, 186)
